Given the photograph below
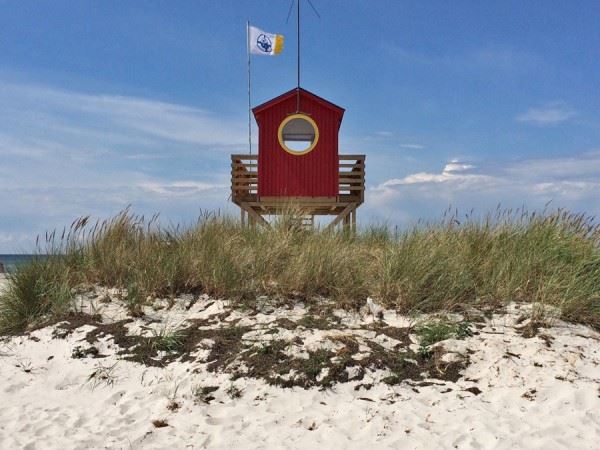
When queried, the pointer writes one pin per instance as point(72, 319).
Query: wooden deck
point(351, 182)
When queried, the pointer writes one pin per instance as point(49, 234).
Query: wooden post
point(346, 224)
point(341, 216)
point(243, 217)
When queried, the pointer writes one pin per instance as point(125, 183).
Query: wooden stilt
point(341, 216)
point(254, 217)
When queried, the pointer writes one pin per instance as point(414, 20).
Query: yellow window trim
point(280, 134)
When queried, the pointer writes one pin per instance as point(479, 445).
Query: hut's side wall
point(281, 174)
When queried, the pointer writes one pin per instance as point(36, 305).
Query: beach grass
point(448, 265)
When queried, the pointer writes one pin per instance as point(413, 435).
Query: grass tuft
point(439, 329)
point(167, 339)
point(39, 288)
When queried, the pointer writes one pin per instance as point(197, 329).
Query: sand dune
point(514, 391)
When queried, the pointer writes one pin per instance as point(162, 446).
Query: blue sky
point(463, 103)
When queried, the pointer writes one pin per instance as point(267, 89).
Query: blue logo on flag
point(264, 43)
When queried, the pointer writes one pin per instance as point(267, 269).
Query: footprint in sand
point(222, 420)
point(14, 387)
point(115, 398)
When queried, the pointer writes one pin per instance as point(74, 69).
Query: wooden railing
point(351, 177)
point(244, 176)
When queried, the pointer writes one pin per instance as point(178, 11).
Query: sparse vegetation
point(439, 329)
point(167, 339)
point(550, 259)
point(234, 392)
point(203, 394)
point(37, 289)
point(103, 375)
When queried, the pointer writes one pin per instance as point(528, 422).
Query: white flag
point(261, 43)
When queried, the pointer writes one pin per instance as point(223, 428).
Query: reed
point(508, 255)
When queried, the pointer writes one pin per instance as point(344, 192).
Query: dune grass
point(552, 259)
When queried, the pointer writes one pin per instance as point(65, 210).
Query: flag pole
point(298, 54)
point(298, 31)
point(249, 100)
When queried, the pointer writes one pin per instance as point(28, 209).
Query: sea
point(11, 262)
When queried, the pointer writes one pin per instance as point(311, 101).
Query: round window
point(298, 134)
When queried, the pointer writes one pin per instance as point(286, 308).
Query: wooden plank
point(347, 157)
point(350, 180)
point(256, 216)
point(341, 216)
point(352, 188)
point(242, 156)
point(358, 173)
point(306, 206)
point(356, 164)
point(242, 174)
point(297, 199)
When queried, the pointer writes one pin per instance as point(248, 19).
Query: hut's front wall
point(281, 174)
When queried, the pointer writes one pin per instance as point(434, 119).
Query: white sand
point(532, 395)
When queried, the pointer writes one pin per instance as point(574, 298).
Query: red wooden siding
point(281, 174)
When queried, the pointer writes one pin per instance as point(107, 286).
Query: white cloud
point(498, 59)
point(65, 154)
point(412, 146)
point(181, 188)
point(111, 116)
point(390, 138)
point(583, 165)
point(454, 171)
point(572, 182)
point(504, 59)
point(550, 114)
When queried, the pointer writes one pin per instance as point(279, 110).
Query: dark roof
point(326, 103)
